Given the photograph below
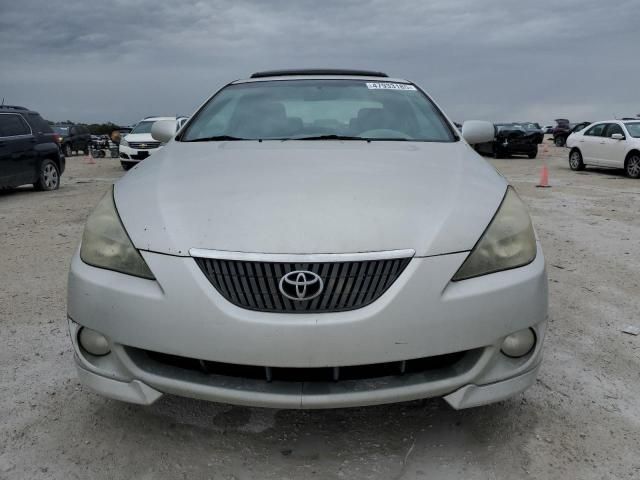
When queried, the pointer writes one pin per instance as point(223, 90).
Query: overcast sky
point(480, 59)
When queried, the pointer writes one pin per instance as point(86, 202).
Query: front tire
point(632, 165)
point(575, 160)
point(126, 165)
point(48, 176)
point(560, 141)
point(533, 154)
point(498, 153)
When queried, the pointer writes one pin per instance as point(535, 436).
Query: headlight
point(124, 143)
point(105, 243)
point(508, 242)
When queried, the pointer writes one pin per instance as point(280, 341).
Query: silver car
point(311, 239)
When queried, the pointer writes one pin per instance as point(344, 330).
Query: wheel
point(575, 160)
point(48, 176)
point(533, 154)
point(498, 153)
point(632, 165)
point(559, 141)
point(67, 150)
point(126, 166)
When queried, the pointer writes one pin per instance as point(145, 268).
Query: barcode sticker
point(389, 86)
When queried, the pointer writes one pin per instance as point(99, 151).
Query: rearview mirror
point(163, 130)
point(478, 131)
point(617, 136)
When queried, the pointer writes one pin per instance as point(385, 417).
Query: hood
point(139, 137)
point(309, 197)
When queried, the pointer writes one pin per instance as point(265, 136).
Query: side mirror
point(478, 131)
point(617, 136)
point(163, 130)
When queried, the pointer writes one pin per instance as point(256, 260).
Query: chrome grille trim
point(301, 257)
point(147, 145)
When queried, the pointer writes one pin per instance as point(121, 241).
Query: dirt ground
point(580, 420)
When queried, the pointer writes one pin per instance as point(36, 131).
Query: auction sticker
point(389, 86)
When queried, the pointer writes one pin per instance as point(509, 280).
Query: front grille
point(347, 285)
point(144, 145)
point(149, 361)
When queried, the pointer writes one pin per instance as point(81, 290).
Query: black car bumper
point(62, 163)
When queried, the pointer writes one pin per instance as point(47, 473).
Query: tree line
point(94, 128)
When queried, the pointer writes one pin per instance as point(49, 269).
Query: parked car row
point(32, 151)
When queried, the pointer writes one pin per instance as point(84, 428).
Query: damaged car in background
point(311, 239)
point(513, 139)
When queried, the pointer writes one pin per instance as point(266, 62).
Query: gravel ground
point(580, 420)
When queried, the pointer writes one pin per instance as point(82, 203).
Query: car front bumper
point(422, 314)
point(135, 155)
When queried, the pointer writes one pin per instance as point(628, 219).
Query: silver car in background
point(311, 239)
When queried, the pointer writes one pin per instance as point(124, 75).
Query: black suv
point(29, 152)
point(73, 138)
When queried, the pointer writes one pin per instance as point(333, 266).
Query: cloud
point(499, 60)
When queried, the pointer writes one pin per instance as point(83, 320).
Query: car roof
point(155, 119)
point(320, 74)
point(322, 77)
point(16, 109)
point(318, 71)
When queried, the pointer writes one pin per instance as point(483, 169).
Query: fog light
point(93, 342)
point(518, 344)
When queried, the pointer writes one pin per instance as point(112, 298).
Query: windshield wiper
point(216, 138)
point(347, 137)
point(329, 137)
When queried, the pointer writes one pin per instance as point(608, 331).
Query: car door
point(73, 137)
point(589, 143)
point(612, 150)
point(17, 152)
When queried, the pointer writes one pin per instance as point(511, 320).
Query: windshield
point(319, 109)
point(61, 130)
point(142, 127)
point(633, 129)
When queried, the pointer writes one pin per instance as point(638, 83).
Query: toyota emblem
point(301, 285)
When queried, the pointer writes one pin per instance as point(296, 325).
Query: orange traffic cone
point(544, 177)
point(88, 158)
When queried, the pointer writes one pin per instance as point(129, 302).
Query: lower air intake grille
point(150, 361)
point(345, 285)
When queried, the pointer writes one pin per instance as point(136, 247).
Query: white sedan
point(612, 143)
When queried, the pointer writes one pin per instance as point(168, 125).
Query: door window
point(613, 128)
point(12, 125)
point(39, 123)
point(596, 130)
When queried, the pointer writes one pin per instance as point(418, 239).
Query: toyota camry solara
point(311, 239)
